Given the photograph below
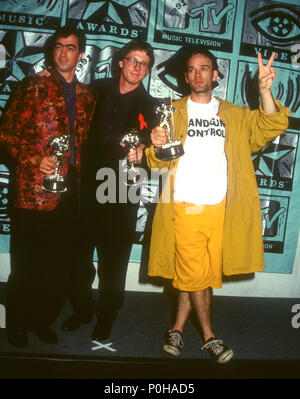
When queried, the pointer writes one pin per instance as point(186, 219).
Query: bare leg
point(201, 304)
point(183, 310)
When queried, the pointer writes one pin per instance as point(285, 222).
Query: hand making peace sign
point(266, 76)
point(266, 73)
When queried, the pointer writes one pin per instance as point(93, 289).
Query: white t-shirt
point(201, 176)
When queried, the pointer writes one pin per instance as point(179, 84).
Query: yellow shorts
point(198, 246)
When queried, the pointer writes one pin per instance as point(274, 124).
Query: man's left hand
point(136, 154)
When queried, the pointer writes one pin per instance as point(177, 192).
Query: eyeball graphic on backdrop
point(279, 24)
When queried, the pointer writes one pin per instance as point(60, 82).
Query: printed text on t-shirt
point(211, 125)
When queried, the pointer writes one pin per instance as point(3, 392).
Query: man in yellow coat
point(208, 219)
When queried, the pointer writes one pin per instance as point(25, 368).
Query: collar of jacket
point(181, 105)
point(55, 78)
point(63, 80)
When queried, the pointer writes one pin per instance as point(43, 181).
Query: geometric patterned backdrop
point(235, 31)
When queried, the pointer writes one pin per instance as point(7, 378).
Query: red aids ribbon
point(142, 122)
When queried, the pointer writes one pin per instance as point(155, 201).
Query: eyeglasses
point(132, 62)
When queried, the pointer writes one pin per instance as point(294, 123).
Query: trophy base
point(169, 151)
point(55, 186)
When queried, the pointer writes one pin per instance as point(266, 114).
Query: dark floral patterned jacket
point(36, 114)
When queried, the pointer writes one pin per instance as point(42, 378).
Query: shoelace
point(175, 339)
point(216, 346)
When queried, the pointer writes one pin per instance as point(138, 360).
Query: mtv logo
point(272, 216)
point(210, 17)
point(2, 316)
point(274, 213)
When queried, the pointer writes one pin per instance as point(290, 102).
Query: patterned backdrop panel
point(235, 31)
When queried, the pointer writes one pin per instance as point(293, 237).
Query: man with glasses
point(122, 104)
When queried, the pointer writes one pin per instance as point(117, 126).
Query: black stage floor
point(259, 330)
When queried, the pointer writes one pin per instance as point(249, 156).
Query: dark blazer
point(141, 110)
point(96, 154)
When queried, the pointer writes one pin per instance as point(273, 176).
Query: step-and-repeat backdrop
point(234, 30)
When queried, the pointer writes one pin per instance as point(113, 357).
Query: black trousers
point(43, 255)
point(110, 229)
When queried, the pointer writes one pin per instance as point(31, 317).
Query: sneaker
point(173, 342)
point(219, 352)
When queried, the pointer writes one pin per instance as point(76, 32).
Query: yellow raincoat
point(246, 132)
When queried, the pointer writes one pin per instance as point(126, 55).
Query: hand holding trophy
point(172, 148)
point(131, 140)
point(56, 183)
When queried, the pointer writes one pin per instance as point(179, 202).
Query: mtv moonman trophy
point(132, 140)
point(56, 183)
point(173, 148)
